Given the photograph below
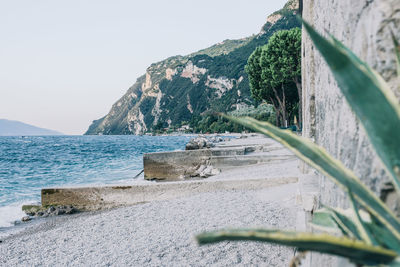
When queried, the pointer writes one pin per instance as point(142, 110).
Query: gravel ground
point(159, 233)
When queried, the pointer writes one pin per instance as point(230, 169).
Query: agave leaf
point(345, 223)
point(370, 98)
point(395, 263)
point(354, 250)
point(362, 228)
point(323, 217)
point(330, 220)
point(383, 236)
point(318, 158)
point(333, 219)
point(322, 220)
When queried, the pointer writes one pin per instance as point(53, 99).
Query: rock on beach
point(202, 142)
point(38, 211)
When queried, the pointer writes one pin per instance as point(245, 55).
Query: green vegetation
point(262, 111)
point(222, 48)
point(370, 231)
point(146, 107)
point(275, 72)
point(203, 100)
point(224, 61)
point(213, 123)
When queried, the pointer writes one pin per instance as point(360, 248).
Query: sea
point(30, 163)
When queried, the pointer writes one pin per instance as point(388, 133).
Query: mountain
point(183, 89)
point(12, 128)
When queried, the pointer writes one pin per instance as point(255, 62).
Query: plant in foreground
point(370, 231)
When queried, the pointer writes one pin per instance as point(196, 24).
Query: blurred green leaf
point(346, 223)
point(330, 218)
point(383, 235)
point(361, 226)
point(354, 250)
point(395, 263)
point(322, 219)
point(335, 219)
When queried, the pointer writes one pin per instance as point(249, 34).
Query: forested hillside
point(184, 90)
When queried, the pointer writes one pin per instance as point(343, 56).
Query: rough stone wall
point(364, 26)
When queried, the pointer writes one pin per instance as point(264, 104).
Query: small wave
point(69, 161)
point(11, 213)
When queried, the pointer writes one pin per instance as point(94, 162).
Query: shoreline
point(68, 168)
point(158, 233)
point(161, 232)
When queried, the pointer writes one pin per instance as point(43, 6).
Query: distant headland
point(17, 128)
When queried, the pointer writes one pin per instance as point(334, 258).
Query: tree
point(274, 74)
point(283, 58)
point(254, 70)
point(261, 90)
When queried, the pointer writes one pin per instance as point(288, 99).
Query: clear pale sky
point(63, 63)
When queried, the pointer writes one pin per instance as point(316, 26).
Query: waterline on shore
point(11, 213)
point(31, 163)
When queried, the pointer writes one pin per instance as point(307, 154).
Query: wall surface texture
point(364, 26)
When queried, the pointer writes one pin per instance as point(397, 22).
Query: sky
point(63, 63)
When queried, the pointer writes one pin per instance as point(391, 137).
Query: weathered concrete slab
point(226, 162)
point(177, 165)
point(173, 165)
point(95, 198)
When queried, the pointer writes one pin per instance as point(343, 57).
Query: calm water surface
point(28, 164)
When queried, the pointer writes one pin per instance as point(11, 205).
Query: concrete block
point(104, 197)
point(178, 165)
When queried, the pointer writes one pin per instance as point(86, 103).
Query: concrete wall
point(104, 197)
point(181, 165)
point(178, 165)
point(364, 26)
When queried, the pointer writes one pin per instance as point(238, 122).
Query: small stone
point(201, 168)
point(39, 213)
point(59, 211)
point(191, 146)
point(202, 143)
point(51, 210)
point(26, 219)
point(209, 145)
point(70, 210)
point(32, 208)
point(198, 143)
point(208, 170)
point(215, 171)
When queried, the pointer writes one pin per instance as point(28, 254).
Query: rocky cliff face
point(364, 26)
point(176, 89)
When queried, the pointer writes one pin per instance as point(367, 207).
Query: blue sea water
point(28, 164)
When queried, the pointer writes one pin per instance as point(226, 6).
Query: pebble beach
point(162, 233)
point(158, 233)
